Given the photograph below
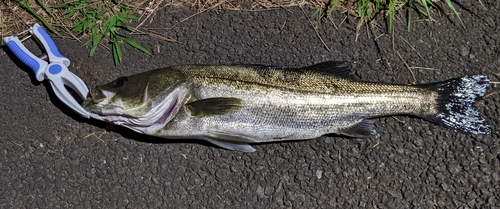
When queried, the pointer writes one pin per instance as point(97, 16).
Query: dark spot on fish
point(265, 73)
point(291, 76)
point(286, 76)
point(120, 81)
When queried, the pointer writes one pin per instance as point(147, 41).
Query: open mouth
point(159, 114)
point(157, 117)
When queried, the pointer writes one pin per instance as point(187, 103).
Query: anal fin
point(230, 141)
point(236, 146)
point(363, 129)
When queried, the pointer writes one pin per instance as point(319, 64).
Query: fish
point(235, 106)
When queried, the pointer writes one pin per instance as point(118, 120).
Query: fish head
point(143, 102)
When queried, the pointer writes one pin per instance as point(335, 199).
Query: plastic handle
point(49, 45)
point(59, 75)
point(36, 64)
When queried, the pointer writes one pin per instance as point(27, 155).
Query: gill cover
point(134, 95)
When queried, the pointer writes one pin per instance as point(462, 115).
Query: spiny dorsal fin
point(258, 66)
point(214, 106)
point(339, 68)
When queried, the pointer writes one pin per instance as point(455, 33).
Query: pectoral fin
point(363, 129)
point(214, 106)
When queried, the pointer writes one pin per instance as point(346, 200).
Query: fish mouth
point(150, 122)
point(98, 96)
point(157, 117)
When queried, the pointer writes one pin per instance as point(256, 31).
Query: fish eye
point(120, 81)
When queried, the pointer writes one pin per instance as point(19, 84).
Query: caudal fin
point(456, 104)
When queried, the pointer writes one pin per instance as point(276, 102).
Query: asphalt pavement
point(51, 158)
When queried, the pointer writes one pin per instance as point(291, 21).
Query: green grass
point(27, 6)
point(103, 20)
point(94, 19)
point(367, 9)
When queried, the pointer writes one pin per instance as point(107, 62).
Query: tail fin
point(456, 103)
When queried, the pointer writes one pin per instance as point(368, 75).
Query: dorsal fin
point(258, 66)
point(339, 68)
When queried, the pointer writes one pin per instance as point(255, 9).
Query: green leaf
point(61, 6)
point(96, 39)
point(409, 21)
point(427, 11)
point(119, 23)
point(450, 5)
point(68, 14)
point(481, 2)
point(90, 12)
point(26, 5)
point(390, 12)
point(125, 16)
point(44, 7)
point(87, 42)
point(109, 24)
point(333, 5)
point(92, 51)
point(134, 44)
point(318, 12)
point(378, 4)
point(78, 27)
point(117, 52)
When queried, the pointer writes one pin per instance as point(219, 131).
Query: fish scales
point(312, 90)
point(234, 105)
point(321, 103)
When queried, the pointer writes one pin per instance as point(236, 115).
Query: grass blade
point(26, 5)
point(481, 2)
point(427, 11)
point(450, 5)
point(332, 6)
point(134, 44)
point(362, 12)
point(390, 12)
point(117, 52)
point(44, 7)
point(96, 39)
point(126, 16)
point(408, 24)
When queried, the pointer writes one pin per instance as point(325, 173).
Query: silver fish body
point(232, 106)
